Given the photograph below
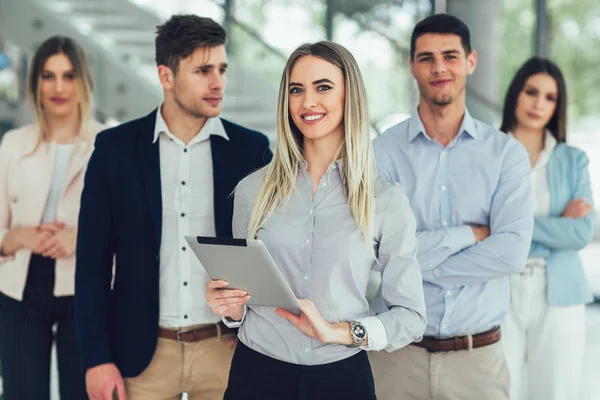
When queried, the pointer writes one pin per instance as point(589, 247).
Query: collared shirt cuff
point(460, 238)
point(235, 324)
point(377, 338)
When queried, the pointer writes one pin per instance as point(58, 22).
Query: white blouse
point(62, 158)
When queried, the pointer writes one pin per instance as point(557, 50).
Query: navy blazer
point(121, 219)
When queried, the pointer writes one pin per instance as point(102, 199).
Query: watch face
point(359, 331)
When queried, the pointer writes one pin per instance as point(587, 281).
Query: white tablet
point(246, 265)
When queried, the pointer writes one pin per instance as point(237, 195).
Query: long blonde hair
point(358, 171)
point(83, 83)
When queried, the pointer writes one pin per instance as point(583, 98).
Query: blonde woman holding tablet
point(328, 221)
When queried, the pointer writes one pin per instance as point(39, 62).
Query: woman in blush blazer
point(42, 167)
point(544, 331)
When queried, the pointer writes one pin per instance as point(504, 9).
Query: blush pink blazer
point(24, 187)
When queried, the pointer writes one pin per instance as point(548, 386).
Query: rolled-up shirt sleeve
point(401, 290)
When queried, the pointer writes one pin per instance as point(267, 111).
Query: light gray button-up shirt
point(324, 258)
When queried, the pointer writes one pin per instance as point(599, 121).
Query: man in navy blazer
point(150, 182)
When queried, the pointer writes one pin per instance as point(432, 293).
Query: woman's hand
point(60, 244)
point(226, 302)
point(311, 323)
point(31, 237)
point(577, 208)
point(28, 237)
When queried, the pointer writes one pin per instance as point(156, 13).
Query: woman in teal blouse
point(544, 332)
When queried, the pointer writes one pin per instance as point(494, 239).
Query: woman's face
point(58, 91)
point(537, 101)
point(316, 98)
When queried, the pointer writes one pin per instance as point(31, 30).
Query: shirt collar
point(416, 127)
point(337, 165)
point(549, 141)
point(212, 126)
point(549, 145)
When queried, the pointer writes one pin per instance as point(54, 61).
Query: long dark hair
point(83, 80)
point(535, 65)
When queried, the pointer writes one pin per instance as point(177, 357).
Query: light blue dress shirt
point(481, 178)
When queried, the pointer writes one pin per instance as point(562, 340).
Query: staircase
point(118, 37)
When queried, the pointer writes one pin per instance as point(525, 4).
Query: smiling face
point(58, 87)
point(316, 98)
point(537, 101)
point(440, 67)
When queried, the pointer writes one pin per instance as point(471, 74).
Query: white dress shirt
point(186, 174)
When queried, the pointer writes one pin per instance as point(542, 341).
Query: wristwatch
point(358, 333)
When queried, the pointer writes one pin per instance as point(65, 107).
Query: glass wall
point(264, 32)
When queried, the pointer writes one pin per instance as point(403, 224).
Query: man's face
point(199, 83)
point(440, 67)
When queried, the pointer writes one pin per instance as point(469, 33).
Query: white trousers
point(544, 345)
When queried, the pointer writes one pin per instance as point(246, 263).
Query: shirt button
point(443, 154)
point(449, 292)
point(183, 248)
point(324, 184)
point(311, 212)
point(306, 349)
point(157, 257)
point(307, 241)
point(444, 223)
point(305, 277)
point(184, 283)
point(445, 326)
point(443, 188)
point(185, 317)
point(182, 215)
point(185, 150)
point(183, 182)
point(430, 265)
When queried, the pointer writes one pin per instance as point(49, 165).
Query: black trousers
point(26, 339)
point(256, 376)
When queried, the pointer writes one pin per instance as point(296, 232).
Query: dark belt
point(195, 335)
point(467, 342)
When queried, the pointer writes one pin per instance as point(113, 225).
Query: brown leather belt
point(467, 342)
point(195, 335)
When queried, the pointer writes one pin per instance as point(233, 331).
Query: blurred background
point(118, 36)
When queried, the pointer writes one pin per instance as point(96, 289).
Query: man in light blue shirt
point(469, 188)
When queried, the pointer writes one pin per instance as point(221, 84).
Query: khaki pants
point(412, 373)
point(200, 369)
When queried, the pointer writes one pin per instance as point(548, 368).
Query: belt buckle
point(179, 333)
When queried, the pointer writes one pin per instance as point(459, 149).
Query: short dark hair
point(442, 24)
point(536, 65)
point(182, 34)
